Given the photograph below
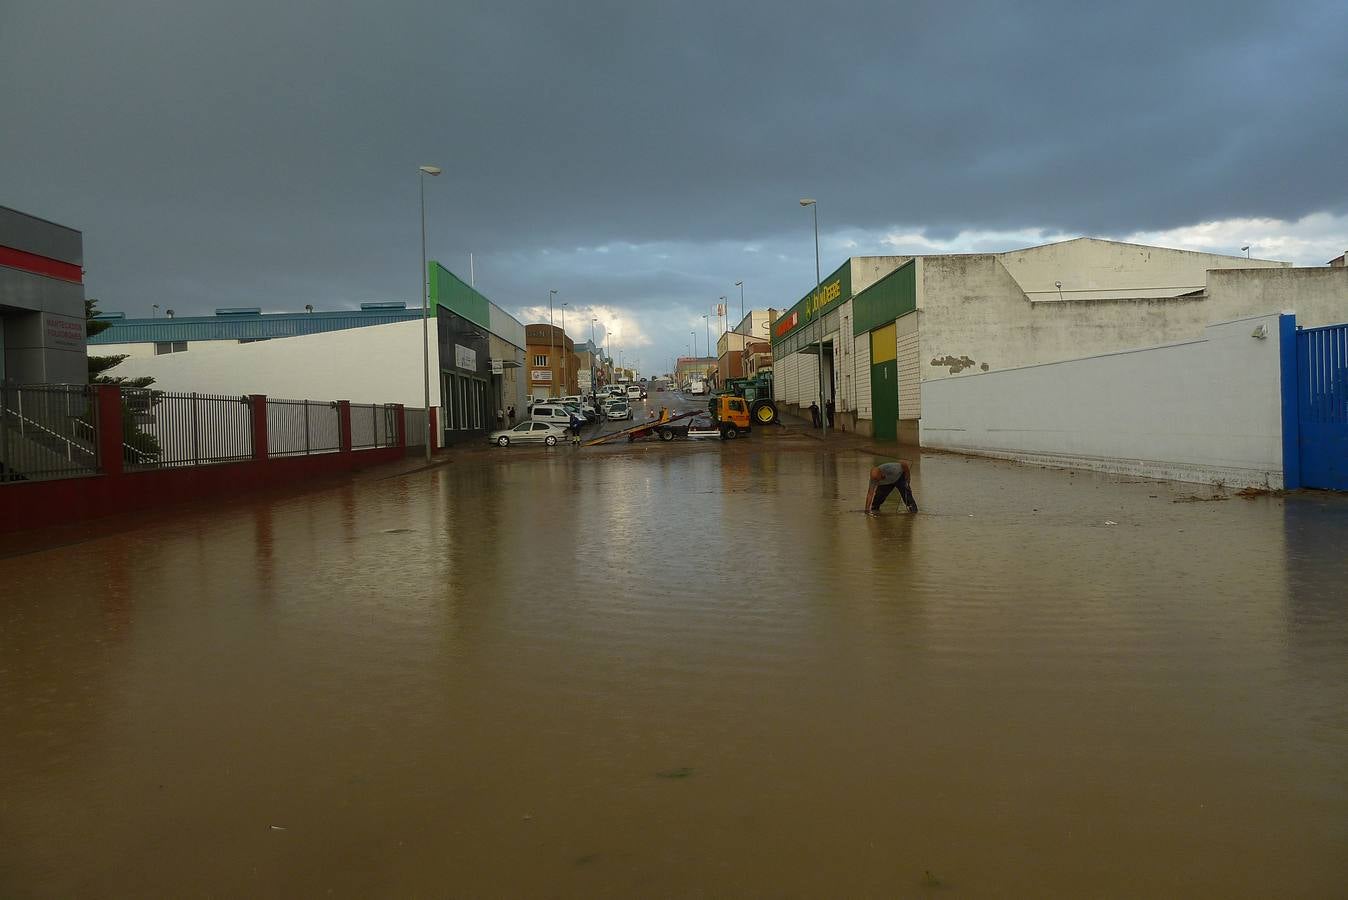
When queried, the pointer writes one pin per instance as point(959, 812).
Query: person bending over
point(884, 479)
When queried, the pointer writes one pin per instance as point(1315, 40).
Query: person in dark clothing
point(884, 479)
point(576, 424)
point(814, 413)
point(828, 411)
point(510, 414)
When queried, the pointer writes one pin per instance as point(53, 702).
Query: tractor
point(757, 393)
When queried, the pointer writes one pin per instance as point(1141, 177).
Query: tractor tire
point(763, 412)
point(666, 434)
point(503, 441)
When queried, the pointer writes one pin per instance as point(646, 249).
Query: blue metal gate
point(1322, 406)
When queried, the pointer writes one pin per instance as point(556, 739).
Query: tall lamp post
point(740, 285)
point(566, 382)
point(823, 410)
point(552, 343)
point(593, 350)
point(706, 326)
point(425, 307)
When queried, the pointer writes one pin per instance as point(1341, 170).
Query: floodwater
point(684, 670)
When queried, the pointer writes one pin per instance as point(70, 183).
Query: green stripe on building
point(449, 291)
point(886, 300)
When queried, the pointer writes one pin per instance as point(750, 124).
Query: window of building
point(162, 347)
point(540, 361)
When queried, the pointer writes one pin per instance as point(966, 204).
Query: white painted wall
point(1207, 410)
point(1091, 268)
point(374, 364)
point(974, 314)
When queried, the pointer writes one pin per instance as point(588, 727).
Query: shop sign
point(540, 375)
point(465, 358)
point(786, 324)
point(498, 366)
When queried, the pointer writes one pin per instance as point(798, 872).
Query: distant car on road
point(634, 392)
point(529, 433)
point(617, 410)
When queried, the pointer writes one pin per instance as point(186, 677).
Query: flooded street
point(684, 670)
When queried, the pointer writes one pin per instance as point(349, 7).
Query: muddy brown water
point(692, 670)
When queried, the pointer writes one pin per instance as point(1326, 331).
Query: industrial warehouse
point(885, 326)
point(370, 355)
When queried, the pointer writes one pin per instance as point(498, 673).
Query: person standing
point(510, 415)
point(576, 423)
point(828, 411)
point(885, 478)
point(814, 413)
point(500, 418)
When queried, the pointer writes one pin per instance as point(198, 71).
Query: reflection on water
point(690, 669)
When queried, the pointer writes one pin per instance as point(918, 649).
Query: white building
point(370, 355)
point(887, 325)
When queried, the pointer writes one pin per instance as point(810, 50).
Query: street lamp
point(725, 312)
point(566, 382)
point(823, 415)
point(552, 343)
point(740, 285)
point(706, 326)
point(425, 306)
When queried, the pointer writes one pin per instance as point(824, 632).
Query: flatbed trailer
point(644, 429)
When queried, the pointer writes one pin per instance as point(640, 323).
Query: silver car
point(529, 433)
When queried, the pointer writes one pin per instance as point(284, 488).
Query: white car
point(634, 392)
point(617, 410)
point(529, 433)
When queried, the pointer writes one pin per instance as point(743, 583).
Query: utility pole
point(818, 284)
point(425, 306)
point(566, 382)
point(552, 346)
point(740, 285)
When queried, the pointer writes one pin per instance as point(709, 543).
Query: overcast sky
point(641, 158)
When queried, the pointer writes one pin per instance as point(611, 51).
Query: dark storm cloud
point(266, 152)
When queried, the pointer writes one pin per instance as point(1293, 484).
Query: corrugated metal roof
point(245, 327)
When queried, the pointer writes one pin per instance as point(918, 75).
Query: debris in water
point(278, 828)
point(929, 880)
point(1110, 522)
point(681, 772)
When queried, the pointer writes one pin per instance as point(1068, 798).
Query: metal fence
point(165, 429)
point(299, 427)
point(416, 427)
point(51, 431)
point(47, 431)
point(373, 425)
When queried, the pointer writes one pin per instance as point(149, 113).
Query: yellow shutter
point(884, 345)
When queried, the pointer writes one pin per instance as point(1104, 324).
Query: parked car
point(618, 410)
point(634, 392)
point(529, 433)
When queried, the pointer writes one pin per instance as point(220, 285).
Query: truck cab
point(730, 415)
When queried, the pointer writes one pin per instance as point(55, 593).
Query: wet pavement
point(687, 669)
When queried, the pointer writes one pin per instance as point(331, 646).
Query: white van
point(634, 392)
point(553, 413)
